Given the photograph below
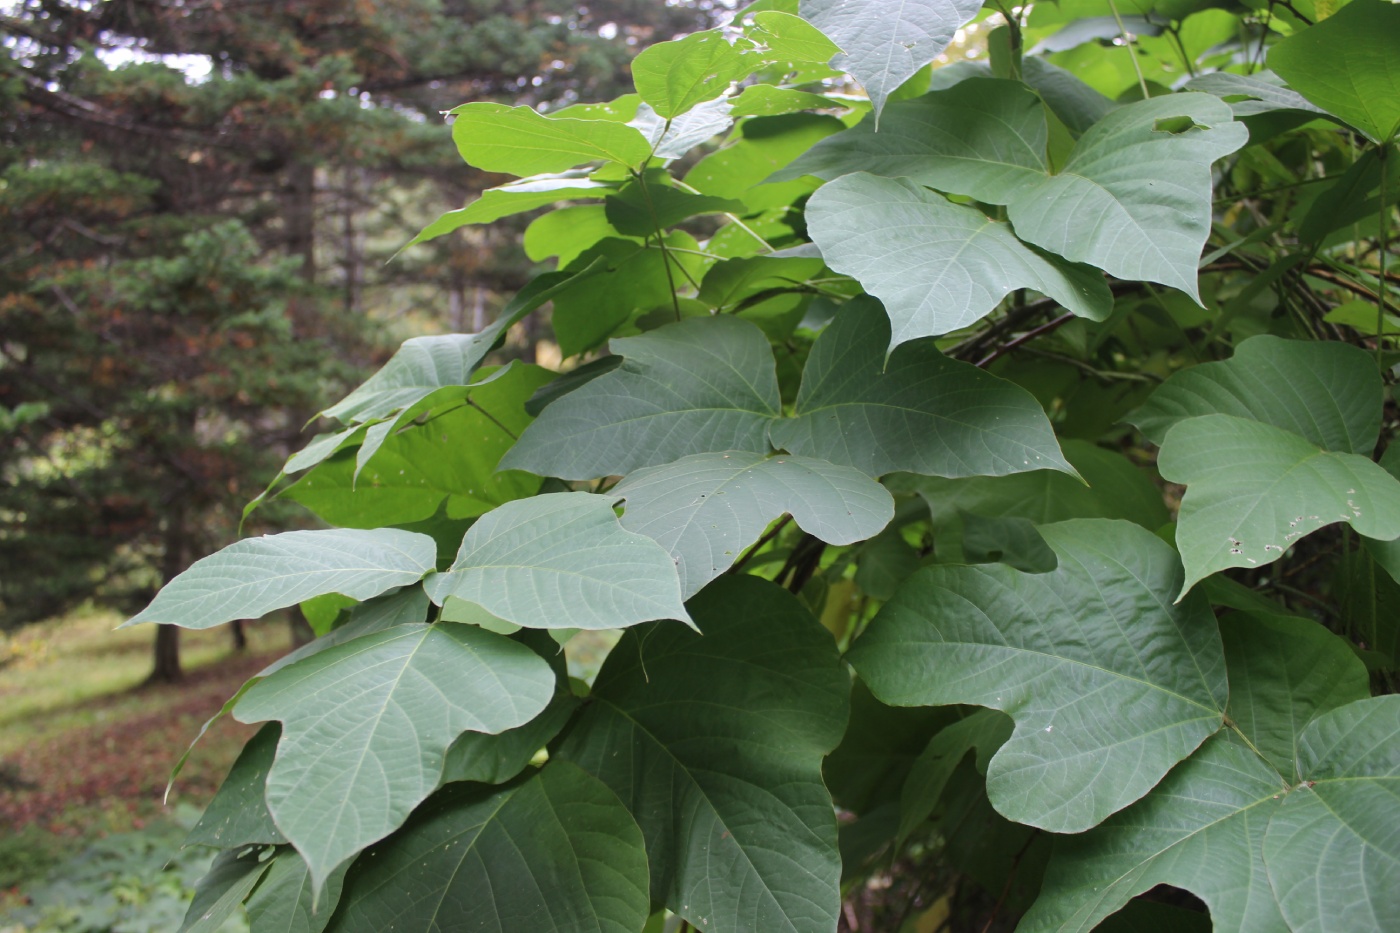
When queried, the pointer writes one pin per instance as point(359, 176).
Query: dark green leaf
point(923, 413)
point(697, 386)
point(1329, 393)
point(643, 210)
point(237, 815)
point(551, 853)
point(983, 732)
point(218, 893)
point(715, 744)
point(285, 903)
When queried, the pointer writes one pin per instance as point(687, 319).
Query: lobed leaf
point(366, 724)
point(937, 266)
point(1110, 685)
point(696, 386)
point(1253, 490)
point(923, 413)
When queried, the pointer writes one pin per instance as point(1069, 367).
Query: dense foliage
point(983, 473)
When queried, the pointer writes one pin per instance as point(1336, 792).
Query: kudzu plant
point(990, 475)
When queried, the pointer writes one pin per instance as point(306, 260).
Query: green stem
point(660, 242)
point(1128, 44)
point(1384, 246)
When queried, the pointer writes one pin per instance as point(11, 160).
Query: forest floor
point(86, 749)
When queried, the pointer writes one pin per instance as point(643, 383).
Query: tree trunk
point(240, 635)
point(166, 668)
point(299, 216)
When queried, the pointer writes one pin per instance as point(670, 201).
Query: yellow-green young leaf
point(919, 412)
point(562, 561)
point(715, 743)
point(566, 232)
point(788, 38)
point(706, 508)
point(883, 45)
point(1133, 198)
point(697, 386)
point(763, 146)
point(554, 852)
point(252, 577)
point(937, 266)
point(1109, 684)
point(366, 725)
point(1349, 65)
point(1330, 393)
point(1333, 846)
point(514, 198)
point(423, 365)
point(675, 76)
point(1252, 490)
point(519, 141)
point(765, 100)
point(447, 463)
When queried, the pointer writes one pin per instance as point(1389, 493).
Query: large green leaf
point(237, 815)
point(554, 852)
point(1327, 392)
point(252, 577)
point(920, 412)
point(1110, 685)
point(937, 266)
point(447, 463)
point(562, 561)
point(1349, 65)
point(1261, 92)
point(715, 744)
point(1200, 829)
point(637, 280)
point(706, 508)
point(696, 386)
point(1333, 847)
point(518, 141)
point(983, 732)
point(1252, 490)
point(285, 902)
point(409, 604)
point(883, 46)
point(515, 198)
point(1284, 672)
point(365, 726)
point(424, 365)
point(675, 76)
point(234, 873)
point(1133, 198)
point(762, 146)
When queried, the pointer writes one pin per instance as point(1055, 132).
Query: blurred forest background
point(199, 202)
